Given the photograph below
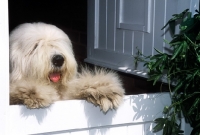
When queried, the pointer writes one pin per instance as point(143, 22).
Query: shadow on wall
point(134, 116)
point(98, 121)
point(146, 106)
point(39, 114)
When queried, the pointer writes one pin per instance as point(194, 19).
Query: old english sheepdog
point(43, 70)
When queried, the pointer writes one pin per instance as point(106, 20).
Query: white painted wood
point(134, 15)
point(77, 117)
point(120, 28)
point(4, 67)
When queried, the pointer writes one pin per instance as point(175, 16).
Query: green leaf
point(149, 65)
point(178, 86)
point(158, 51)
point(176, 131)
point(160, 124)
point(167, 128)
point(158, 120)
point(198, 36)
point(187, 24)
point(158, 127)
point(166, 110)
point(166, 41)
point(172, 25)
point(156, 79)
point(157, 56)
point(182, 28)
point(194, 106)
point(176, 17)
point(176, 52)
point(176, 43)
point(161, 68)
point(157, 63)
point(153, 77)
point(198, 58)
point(176, 39)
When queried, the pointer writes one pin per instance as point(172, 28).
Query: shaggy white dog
point(44, 70)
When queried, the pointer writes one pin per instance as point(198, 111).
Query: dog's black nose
point(58, 60)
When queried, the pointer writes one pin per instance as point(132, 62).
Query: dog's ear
point(15, 75)
point(15, 61)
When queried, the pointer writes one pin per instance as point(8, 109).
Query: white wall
point(77, 117)
point(4, 67)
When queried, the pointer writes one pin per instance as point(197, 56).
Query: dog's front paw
point(101, 87)
point(33, 100)
point(105, 95)
point(32, 96)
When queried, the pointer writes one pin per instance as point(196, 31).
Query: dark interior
point(71, 17)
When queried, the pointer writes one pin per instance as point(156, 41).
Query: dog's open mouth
point(55, 76)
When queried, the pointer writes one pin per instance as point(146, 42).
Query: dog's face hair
point(41, 51)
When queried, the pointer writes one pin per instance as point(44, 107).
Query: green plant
point(182, 70)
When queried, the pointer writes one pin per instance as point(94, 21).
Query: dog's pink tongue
point(54, 77)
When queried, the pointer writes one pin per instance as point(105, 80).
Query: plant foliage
point(182, 67)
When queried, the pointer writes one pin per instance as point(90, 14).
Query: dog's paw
point(105, 98)
point(102, 88)
point(33, 100)
point(32, 97)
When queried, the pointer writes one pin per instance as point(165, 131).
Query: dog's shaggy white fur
point(44, 70)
